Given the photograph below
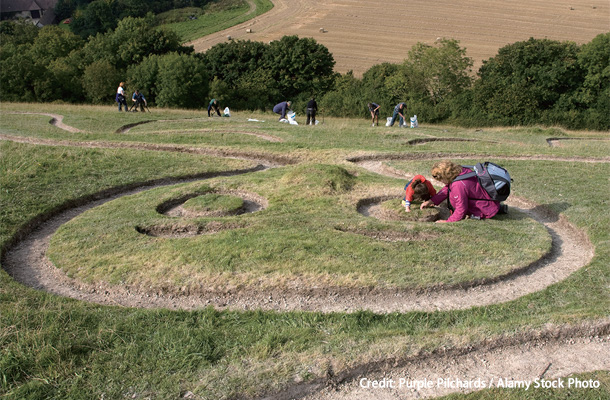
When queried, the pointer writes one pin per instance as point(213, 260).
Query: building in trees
point(40, 12)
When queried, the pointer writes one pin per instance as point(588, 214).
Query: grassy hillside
point(193, 23)
point(308, 233)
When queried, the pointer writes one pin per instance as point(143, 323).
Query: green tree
point(374, 88)
point(99, 16)
point(100, 80)
point(60, 79)
point(594, 93)
point(182, 81)
point(346, 99)
point(525, 79)
point(228, 61)
point(300, 66)
point(136, 38)
point(255, 90)
point(132, 41)
point(442, 70)
point(53, 43)
point(66, 79)
point(143, 76)
point(17, 32)
point(17, 73)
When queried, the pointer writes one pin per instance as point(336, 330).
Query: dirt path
point(522, 364)
point(56, 120)
point(556, 142)
point(267, 158)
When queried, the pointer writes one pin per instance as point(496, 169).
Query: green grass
point(55, 347)
point(212, 18)
point(294, 240)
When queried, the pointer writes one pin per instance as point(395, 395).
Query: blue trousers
point(400, 123)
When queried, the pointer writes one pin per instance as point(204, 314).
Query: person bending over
point(418, 189)
point(374, 109)
point(467, 198)
point(213, 106)
point(399, 111)
point(139, 100)
point(281, 109)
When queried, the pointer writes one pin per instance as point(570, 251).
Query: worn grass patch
point(292, 242)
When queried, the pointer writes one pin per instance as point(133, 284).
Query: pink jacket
point(467, 198)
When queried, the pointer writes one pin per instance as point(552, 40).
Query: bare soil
point(360, 34)
point(551, 355)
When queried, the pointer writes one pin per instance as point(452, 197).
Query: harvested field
point(361, 34)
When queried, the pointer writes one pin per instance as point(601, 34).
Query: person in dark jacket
point(312, 109)
point(281, 108)
point(139, 101)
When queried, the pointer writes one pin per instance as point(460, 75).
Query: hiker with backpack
point(467, 196)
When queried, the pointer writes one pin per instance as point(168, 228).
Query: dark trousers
point(121, 100)
point(311, 114)
point(210, 107)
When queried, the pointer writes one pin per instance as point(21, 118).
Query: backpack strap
point(459, 178)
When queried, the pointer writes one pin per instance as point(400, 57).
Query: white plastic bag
point(389, 121)
point(291, 118)
point(414, 123)
point(227, 112)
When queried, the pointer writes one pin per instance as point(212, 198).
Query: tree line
point(537, 81)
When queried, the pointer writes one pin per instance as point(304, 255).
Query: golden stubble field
point(362, 33)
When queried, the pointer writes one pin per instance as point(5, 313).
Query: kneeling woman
point(467, 197)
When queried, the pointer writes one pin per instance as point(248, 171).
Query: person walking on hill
point(120, 96)
point(281, 109)
point(399, 111)
point(374, 109)
point(312, 109)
